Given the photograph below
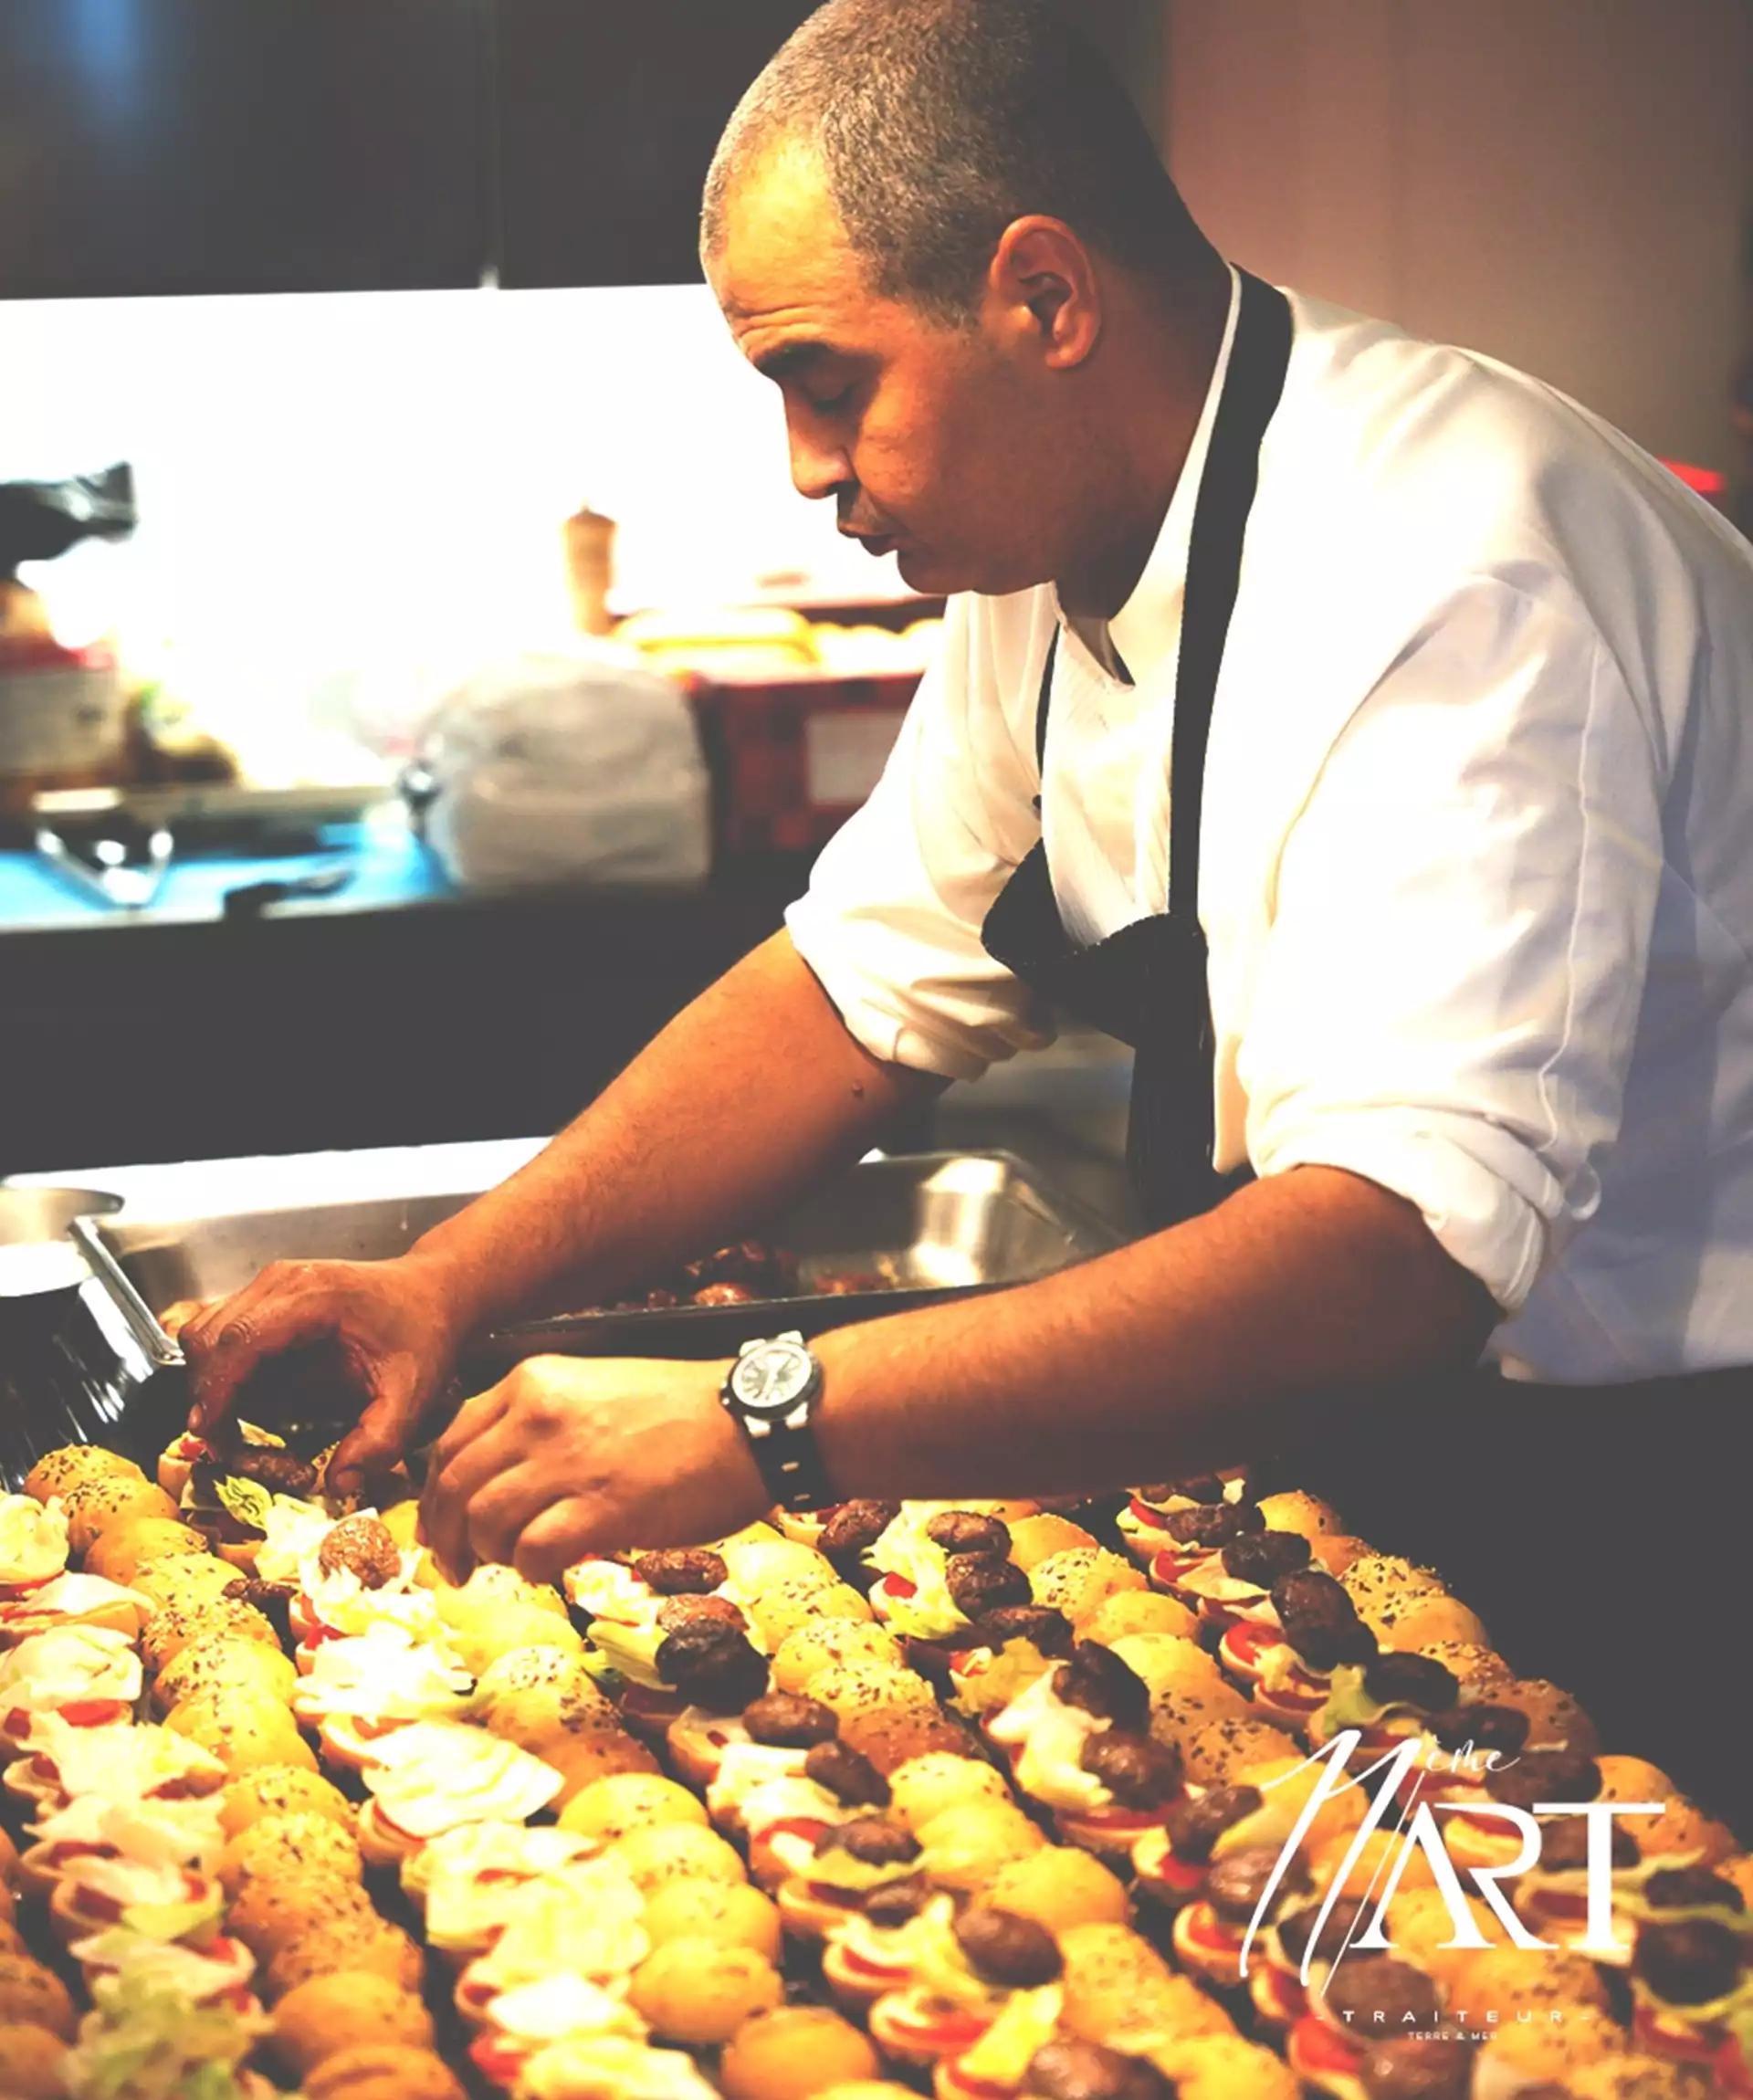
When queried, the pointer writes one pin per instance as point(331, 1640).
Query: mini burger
point(1691, 1989)
point(1240, 1891)
point(841, 1870)
point(180, 1457)
point(821, 1644)
point(1363, 2001)
point(795, 2052)
point(938, 1571)
point(966, 1967)
point(1286, 1651)
point(1005, 1653)
point(59, 1472)
point(768, 1743)
point(1475, 1835)
point(1191, 1536)
point(1143, 1523)
point(1050, 1731)
point(1080, 1582)
point(1405, 1606)
point(1385, 1701)
point(1234, 1587)
point(706, 1664)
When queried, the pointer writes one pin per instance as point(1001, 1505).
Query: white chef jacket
point(1476, 865)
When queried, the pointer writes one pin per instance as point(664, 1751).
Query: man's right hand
point(393, 1326)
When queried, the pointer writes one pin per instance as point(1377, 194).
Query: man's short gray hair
point(937, 123)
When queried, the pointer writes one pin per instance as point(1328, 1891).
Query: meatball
point(789, 1722)
point(855, 1526)
point(1139, 1771)
point(896, 1900)
point(1545, 1776)
point(982, 1582)
point(1421, 2068)
point(1411, 1681)
point(1202, 1487)
point(1234, 1885)
point(1049, 1630)
point(1365, 1985)
point(962, 1531)
point(1484, 1727)
point(1674, 1887)
point(847, 1774)
point(1086, 2071)
point(872, 1839)
point(1213, 1524)
point(364, 1546)
point(712, 1666)
point(676, 1612)
point(1689, 1962)
point(1005, 1948)
point(1320, 1621)
point(1097, 1680)
point(281, 1472)
point(682, 1571)
point(1262, 1557)
point(1344, 1921)
point(1564, 1849)
point(272, 1599)
point(1195, 1825)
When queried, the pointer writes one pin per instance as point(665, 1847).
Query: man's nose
point(817, 470)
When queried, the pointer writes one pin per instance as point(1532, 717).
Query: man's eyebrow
point(791, 358)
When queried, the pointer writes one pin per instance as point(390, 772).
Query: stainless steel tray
point(943, 1224)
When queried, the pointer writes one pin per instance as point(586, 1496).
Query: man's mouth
point(872, 542)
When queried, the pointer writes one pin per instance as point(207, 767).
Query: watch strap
point(784, 1446)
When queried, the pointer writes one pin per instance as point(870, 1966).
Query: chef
point(1352, 725)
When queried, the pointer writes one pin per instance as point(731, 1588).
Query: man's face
point(932, 440)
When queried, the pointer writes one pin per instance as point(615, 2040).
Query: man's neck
point(1175, 361)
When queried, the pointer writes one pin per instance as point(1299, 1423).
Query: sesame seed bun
point(33, 1996)
point(350, 2009)
point(1108, 1968)
point(1337, 1552)
point(611, 1807)
point(1681, 1826)
point(30, 2063)
point(269, 1914)
point(1077, 1582)
point(851, 1688)
point(1409, 1628)
point(221, 1664)
point(171, 1629)
point(281, 1789)
point(343, 1944)
point(292, 1845)
point(1216, 1753)
point(133, 1543)
point(1474, 1667)
point(964, 1847)
point(95, 1504)
point(583, 1760)
point(819, 1642)
point(671, 1852)
point(1130, 1611)
point(1059, 1887)
point(1525, 1976)
point(1555, 1718)
point(242, 1729)
point(480, 1641)
point(1307, 1515)
point(700, 1991)
point(892, 1735)
point(927, 1786)
point(1224, 2067)
point(60, 1472)
point(729, 1914)
point(763, 1564)
point(1375, 1860)
point(1167, 1663)
point(1036, 1539)
point(780, 1611)
point(793, 2053)
point(387, 2072)
point(187, 1581)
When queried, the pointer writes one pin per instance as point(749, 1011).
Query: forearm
point(751, 1094)
point(1190, 1350)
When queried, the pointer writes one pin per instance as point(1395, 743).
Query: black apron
point(1523, 1496)
point(1146, 984)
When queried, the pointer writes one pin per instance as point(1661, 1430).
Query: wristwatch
point(772, 1390)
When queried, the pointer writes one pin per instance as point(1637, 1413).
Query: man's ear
point(1041, 285)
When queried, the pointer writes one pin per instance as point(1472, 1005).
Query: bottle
point(590, 568)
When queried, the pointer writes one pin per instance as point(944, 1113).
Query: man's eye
point(831, 404)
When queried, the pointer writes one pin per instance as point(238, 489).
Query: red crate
point(793, 758)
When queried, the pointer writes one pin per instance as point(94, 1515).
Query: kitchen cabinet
point(241, 145)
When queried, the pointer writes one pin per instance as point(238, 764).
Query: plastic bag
point(558, 768)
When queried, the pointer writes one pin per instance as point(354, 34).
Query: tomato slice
point(898, 1586)
point(1207, 1931)
point(856, 1964)
point(1169, 1568)
point(498, 2058)
point(1158, 1520)
point(1182, 1876)
point(808, 1828)
point(1314, 2049)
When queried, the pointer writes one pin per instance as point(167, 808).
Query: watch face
point(771, 1378)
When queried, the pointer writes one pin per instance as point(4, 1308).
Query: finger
point(249, 1329)
point(444, 1507)
point(476, 1415)
point(501, 1508)
point(565, 1532)
point(384, 1430)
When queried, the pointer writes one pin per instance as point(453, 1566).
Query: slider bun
point(537, 1696)
point(1534, 2052)
point(134, 1543)
point(1216, 1753)
point(1059, 1887)
point(780, 1611)
point(1375, 1860)
point(700, 1991)
point(1183, 1714)
point(1036, 1539)
point(1108, 1968)
point(281, 1789)
point(242, 1729)
point(59, 1472)
point(1168, 1662)
point(762, 1564)
point(1521, 1976)
point(95, 1504)
point(33, 1996)
point(186, 1581)
point(1475, 1667)
point(1554, 1715)
point(1076, 1581)
point(269, 1914)
point(728, 1914)
point(350, 2009)
point(361, 1942)
point(818, 1643)
point(491, 1590)
point(386, 2071)
point(671, 1852)
point(1337, 1552)
point(608, 1809)
point(583, 1760)
point(402, 1520)
point(221, 1664)
point(1426, 1619)
point(893, 1736)
point(171, 1629)
point(850, 1688)
point(966, 1846)
point(9, 1870)
point(1130, 1611)
point(1419, 1927)
point(480, 1642)
point(928, 1786)
point(1224, 2067)
point(1307, 1515)
point(1682, 1827)
point(793, 2053)
point(30, 2063)
point(282, 1845)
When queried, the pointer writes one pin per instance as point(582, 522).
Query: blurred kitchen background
point(471, 686)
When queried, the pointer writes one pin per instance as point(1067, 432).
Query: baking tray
point(941, 1224)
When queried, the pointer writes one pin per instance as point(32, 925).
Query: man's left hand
point(574, 1455)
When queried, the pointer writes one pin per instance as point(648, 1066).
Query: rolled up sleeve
point(891, 924)
point(1447, 999)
